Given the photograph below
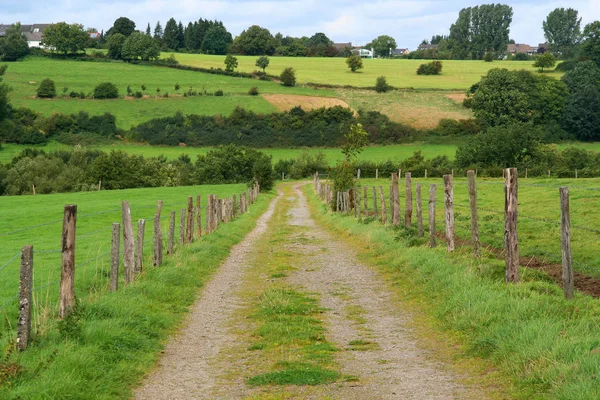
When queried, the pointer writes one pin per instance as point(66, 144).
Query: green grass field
point(458, 75)
point(539, 215)
point(25, 77)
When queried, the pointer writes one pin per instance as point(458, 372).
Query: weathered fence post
point(449, 211)
point(408, 210)
point(425, 175)
point(25, 290)
point(366, 201)
point(474, 216)
point(114, 256)
point(375, 211)
point(357, 204)
point(565, 240)
point(419, 211)
point(67, 278)
point(189, 231)
point(358, 174)
point(171, 239)
point(199, 214)
point(182, 226)
point(128, 244)
point(377, 174)
point(158, 239)
point(432, 204)
point(391, 202)
point(511, 241)
point(139, 251)
point(383, 206)
point(209, 214)
point(234, 207)
point(396, 196)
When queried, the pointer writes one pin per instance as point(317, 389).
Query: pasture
point(456, 75)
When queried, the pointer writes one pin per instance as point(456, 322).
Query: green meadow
point(456, 75)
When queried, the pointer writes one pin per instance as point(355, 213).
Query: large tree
point(481, 29)
point(171, 35)
point(139, 45)
point(115, 46)
point(122, 25)
point(4, 90)
point(14, 45)
point(383, 45)
point(217, 40)
point(255, 41)
point(590, 47)
point(581, 115)
point(562, 29)
point(65, 38)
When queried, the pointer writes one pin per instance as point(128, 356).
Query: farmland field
point(456, 75)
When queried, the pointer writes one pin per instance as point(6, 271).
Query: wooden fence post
point(189, 232)
point(565, 240)
point(432, 204)
point(199, 214)
point(474, 216)
point(449, 211)
point(209, 214)
point(139, 251)
point(234, 207)
point(425, 174)
point(511, 240)
point(391, 202)
point(375, 211)
point(396, 196)
point(408, 210)
point(366, 201)
point(158, 239)
point(115, 247)
point(182, 226)
point(383, 206)
point(67, 278)
point(171, 238)
point(25, 290)
point(419, 211)
point(128, 243)
point(377, 174)
point(357, 204)
point(358, 174)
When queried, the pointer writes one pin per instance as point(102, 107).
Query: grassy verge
point(542, 345)
point(104, 349)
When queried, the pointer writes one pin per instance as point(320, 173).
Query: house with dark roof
point(342, 46)
point(33, 33)
point(424, 47)
point(400, 52)
point(515, 48)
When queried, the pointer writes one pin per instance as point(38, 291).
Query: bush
point(106, 90)
point(47, 89)
point(452, 127)
point(219, 93)
point(522, 57)
point(138, 95)
point(432, 68)
point(354, 62)
point(546, 60)
point(566, 65)
point(253, 91)
point(288, 77)
point(488, 57)
point(381, 85)
point(231, 63)
point(73, 94)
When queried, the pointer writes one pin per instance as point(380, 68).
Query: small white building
point(33, 33)
point(363, 53)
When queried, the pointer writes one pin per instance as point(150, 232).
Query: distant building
point(342, 46)
point(424, 47)
point(33, 33)
point(363, 53)
point(400, 52)
point(94, 35)
point(515, 48)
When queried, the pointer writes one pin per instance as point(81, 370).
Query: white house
point(363, 53)
point(33, 33)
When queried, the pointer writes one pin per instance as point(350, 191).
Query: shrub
point(106, 90)
point(452, 127)
point(546, 60)
point(354, 62)
point(521, 57)
point(231, 63)
point(566, 65)
point(47, 89)
point(488, 57)
point(381, 85)
point(288, 77)
point(432, 68)
point(138, 95)
point(253, 91)
point(73, 94)
point(262, 62)
point(219, 93)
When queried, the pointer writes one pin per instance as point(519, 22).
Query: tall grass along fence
point(217, 211)
point(546, 235)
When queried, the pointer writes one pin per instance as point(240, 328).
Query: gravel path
point(361, 317)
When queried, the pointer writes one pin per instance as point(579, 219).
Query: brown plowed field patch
point(285, 102)
point(457, 97)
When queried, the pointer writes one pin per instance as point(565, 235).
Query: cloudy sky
point(342, 20)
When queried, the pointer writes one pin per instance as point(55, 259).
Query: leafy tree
point(590, 48)
point(47, 89)
point(288, 77)
point(503, 146)
point(106, 90)
point(217, 40)
point(65, 38)
point(581, 115)
point(14, 45)
point(122, 25)
point(480, 29)
point(354, 62)
point(231, 63)
point(255, 41)
point(545, 60)
point(432, 68)
point(115, 46)
point(504, 96)
point(139, 45)
point(320, 45)
point(171, 35)
point(4, 91)
point(263, 62)
point(381, 85)
point(562, 29)
point(354, 142)
point(383, 45)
